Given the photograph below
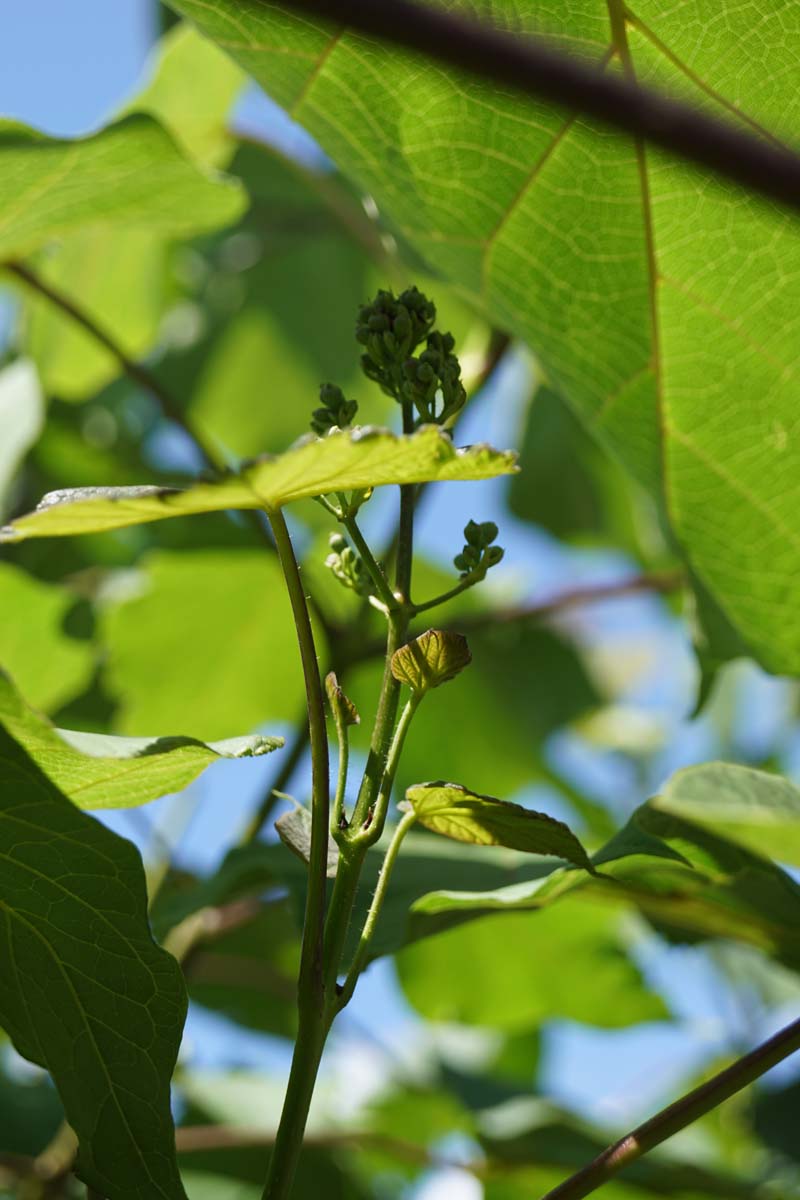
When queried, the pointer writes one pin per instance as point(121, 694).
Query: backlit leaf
point(99, 770)
point(465, 816)
point(362, 458)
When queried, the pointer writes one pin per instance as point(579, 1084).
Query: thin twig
point(677, 1116)
point(532, 66)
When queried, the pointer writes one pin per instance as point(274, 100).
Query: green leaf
point(511, 972)
point(84, 991)
point(294, 830)
point(130, 174)
point(118, 278)
point(362, 458)
point(753, 809)
point(433, 658)
point(196, 117)
point(465, 816)
point(221, 619)
point(50, 666)
point(655, 296)
point(21, 420)
point(98, 770)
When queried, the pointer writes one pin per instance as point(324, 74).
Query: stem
point(532, 67)
point(405, 536)
point(364, 942)
point(463, 586)
point(373, 566)
point(341, 778)
point(371, 835)
point(680, 1114)
point(312, 1024)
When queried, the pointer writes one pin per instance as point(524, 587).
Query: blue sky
point(65, 68)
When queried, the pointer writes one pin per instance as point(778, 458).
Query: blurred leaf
point(361, 458)
point(694, 880)
point(777, 1119)
point(203, 1186)
point(50, 666)
point(30, 1114)
point(100, 771)
point(249, 973)
point(567, 484)
point(118, 277)
point(129, 175)
point(514, 971)
point(21, 420)
point(209, 643)
point(196, 117)
point(465, 816)
point(84, 991)
point(752, 808)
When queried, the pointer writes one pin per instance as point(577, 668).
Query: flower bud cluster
point(335, 413)
point(478, 554)
point(435, 378)
point(390, 329)
point(347, 566)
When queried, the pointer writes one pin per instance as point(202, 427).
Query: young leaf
point(359, 458)
point(455, 812)
point(669, 333)
point(102, 771)
point(84, 990)
point(130, 174)
point(754, 809)
point(294, 829)
point(431, 659)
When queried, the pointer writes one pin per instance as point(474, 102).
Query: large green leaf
point(221, 620)
point(359, 459)
point(84, 991)
point(515, 971)
point(50, 666)
point(757, 810)
point(657, 298)
point(130, 174)
point(98, 770)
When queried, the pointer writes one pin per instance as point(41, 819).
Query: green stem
point(405, 536)
point(367, 933)
point(463, 586)
point(371, 835)
point(341, 777)
point(680, 1114)
point(312, 1021)
point(373, 566)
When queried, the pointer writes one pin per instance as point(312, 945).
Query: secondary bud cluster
point(335, 413)
point(347, 566)
point(478, 554)
point(390, 329)
point(435, 378)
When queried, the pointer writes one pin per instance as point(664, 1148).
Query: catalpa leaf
point(103, 771)
point(758, 811)
point(358, 459)
point(130, 174)
point(663, 303)
point(84, 990)
point(455, 812)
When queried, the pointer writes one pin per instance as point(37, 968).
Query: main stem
point(312, 1019)
point(680, 1114)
